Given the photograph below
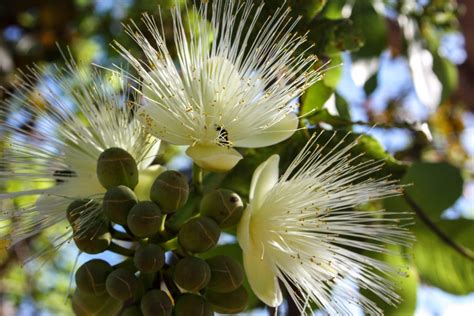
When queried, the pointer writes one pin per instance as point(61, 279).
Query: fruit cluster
point(165, 270)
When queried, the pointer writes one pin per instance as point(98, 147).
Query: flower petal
point(147, 177)
point(263, 180)
point(213, 157)
point(274, 134)
point(262, 278)
point(162, 124)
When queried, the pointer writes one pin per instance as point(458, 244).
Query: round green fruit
point(226, 274)
point(91, 276)
point(199, 234)
point(170, 191)
point(122, 285)
point(115, 167)
point(192, 305)
point(192, 274)
point(117, 203)
point(223, 206)
point(149, 258)
point(228, 303)
point(144, 219)
point(156, 303)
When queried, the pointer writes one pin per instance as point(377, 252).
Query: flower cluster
point(77, 150)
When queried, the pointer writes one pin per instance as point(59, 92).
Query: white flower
point(234, 84)
point(300, 229)
point(54, 127)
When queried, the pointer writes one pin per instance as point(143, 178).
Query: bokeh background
point(403, 66)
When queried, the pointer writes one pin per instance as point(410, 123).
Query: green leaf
point(315, 97)
point(333, 74)
point(434, 186)
point(440, 265)
point(333, 10)
point(447, 74)
point(371, 84)
point(307, 8)
point(342, 107)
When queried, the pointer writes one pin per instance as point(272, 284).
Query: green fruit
point(226, 274)
point(192, 274)
point(149, 258)
point(228, 303)
point(156, 303)
point(144, 219)
point(199, 234)
point(117, 167)
point(122, 285)
point(91, 276)
point(95, 239)
point(117, 203)
point(170, 191)
point(133, 310)
point(223, 206)
point(192, 305)
point(84, 304)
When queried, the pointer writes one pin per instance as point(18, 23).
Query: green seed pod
point(170, 191)
point(156, 303)
point(226, 274)
point(144, 219)
point(192, 305)
point(149, 258)
point(84, 304)
point(95, 240)
point(133, 310)
point(122, 284)
point(228, 303)
point(199, 234)
point(117, 203)
point(76, 208)
point(117, 167)
point(223, 206)
point(192, 274)
point(91, 276)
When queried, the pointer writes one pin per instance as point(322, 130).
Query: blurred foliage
point(435, 165)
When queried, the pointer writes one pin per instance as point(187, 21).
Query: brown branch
point(465, 252)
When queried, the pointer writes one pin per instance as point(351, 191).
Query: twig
point(467, 253)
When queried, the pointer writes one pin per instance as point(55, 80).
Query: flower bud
point(192, 274)
point(76, 208)
point(213, 157)
point(228, 303)
point(133, 310)
point(117, 203)
point(122, 284)
point(226, 274)
point(95, 239)
point(156, 303)
point(170, 191)
point(91, 276)
point(223, 206)
point(199, 234)
point(117, 167)
point(84, 304)
point(149, 258)
point(192, 305)
point(144, 219)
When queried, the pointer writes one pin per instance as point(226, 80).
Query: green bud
point(192, 305)
point(117, 167)
point(95, 240)
point(226, 274)
point(77, 208)
point(144, 219)
point(156, 303)
point(91, 276)
point(133, 310)
point(170, 191)
point(192, 274)
point(122, 284)
point(84, 304)
point(199, 234)
point(223, 206)
point(149, 258)
point(228, 303)
point(117, 203)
